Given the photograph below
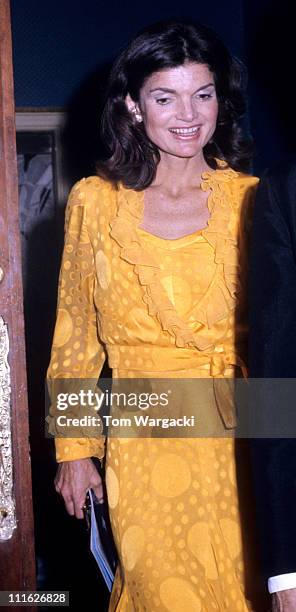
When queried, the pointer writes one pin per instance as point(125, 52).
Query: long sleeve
point(242, 313)
point(273, 355)
point(77, 352)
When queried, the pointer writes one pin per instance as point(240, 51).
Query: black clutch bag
point(101, 537)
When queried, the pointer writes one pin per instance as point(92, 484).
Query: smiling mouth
point(190, 131)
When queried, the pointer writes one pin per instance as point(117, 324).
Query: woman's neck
point(175, 174)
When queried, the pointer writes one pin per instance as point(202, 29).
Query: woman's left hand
point(72, 480)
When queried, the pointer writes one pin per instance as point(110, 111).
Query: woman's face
point(179, 109)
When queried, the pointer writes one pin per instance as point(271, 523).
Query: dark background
point(62, 50)
point(61, 47)
point(58, 44)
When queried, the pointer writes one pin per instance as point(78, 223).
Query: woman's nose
point(185, 110)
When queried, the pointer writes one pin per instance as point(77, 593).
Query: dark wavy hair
point(133, 158)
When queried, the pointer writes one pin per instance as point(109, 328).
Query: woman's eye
point(205, 96)
point(162, 101)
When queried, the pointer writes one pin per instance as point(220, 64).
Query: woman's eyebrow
point(167, 90)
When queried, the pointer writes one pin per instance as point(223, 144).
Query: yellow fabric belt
point(166, 359)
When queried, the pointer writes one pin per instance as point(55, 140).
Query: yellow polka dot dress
point(163, 309)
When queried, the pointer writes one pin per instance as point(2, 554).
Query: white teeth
point(185, 131)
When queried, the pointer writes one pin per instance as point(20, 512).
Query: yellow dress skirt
point(181, 508)
point(183, 527)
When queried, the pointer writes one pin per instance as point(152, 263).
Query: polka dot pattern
point(113, 487)
point(170, 475)
point(65, 326)
point(199, 560)
point(132, 546)
point(200, 543)
point(178, 596)
point(173, 502)
point(103, 269)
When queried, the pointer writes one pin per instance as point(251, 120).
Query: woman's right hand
point(72, 480)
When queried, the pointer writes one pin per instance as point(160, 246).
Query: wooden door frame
point(17, 560)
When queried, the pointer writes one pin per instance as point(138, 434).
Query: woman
point(150, 278)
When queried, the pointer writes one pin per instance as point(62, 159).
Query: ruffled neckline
point(170, 244)
point(124, 229)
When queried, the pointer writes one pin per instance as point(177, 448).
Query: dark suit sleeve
point(273, 355)
point(273, 284)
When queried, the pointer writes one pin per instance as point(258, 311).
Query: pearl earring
point(137, 114)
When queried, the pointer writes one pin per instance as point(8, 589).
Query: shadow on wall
point(62, 543)
point(64, 561)
point(271, 59)
point(80, 140)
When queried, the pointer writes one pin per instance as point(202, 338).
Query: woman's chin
point(183, 152)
